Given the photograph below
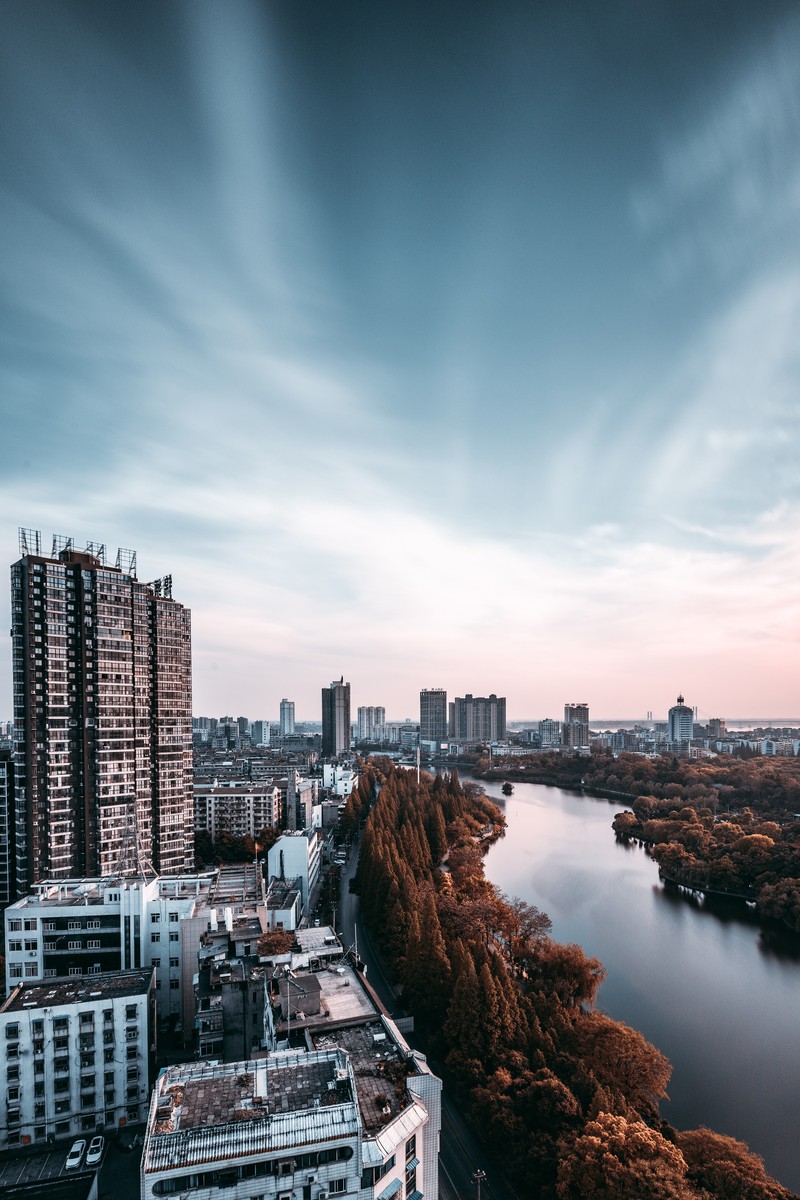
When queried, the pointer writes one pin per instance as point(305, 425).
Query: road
point(460, 1156)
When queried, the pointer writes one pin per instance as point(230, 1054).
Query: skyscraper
point(336, 718)
point(433, 715)
point(680, 725)
point(287, 718)
point(371, 724)
point(102, 711)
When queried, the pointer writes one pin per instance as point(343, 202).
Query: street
point(460, 1156)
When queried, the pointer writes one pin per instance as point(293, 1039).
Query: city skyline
point(449, 347)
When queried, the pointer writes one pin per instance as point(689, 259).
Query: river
point(700, 981)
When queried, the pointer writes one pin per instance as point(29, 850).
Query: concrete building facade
point(77, 1055)
point(102, 717)
point(336, 718)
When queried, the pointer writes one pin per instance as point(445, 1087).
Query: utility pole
point(478, 1179)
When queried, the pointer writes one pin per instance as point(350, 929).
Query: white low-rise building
point(77, 1055)
point(297, 856)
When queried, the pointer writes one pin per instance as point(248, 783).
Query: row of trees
point(568, 1097)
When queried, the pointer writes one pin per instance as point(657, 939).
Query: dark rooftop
point(71, 990)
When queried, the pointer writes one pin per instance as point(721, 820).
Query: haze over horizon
point(428, 345)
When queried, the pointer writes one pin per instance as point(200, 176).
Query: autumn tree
point(617, 1159)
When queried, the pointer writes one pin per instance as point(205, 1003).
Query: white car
point(96, 1146)
point(75, 1156)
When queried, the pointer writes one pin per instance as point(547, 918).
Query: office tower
point(680, 725)
point(102, 708)
point(576, 725)
point(478, 718)
point(433, 715)
point(371, 724)
point(287, 718)
point(336, 718)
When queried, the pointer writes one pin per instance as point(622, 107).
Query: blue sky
point(432, 345)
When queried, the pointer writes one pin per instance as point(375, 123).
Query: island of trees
point(721, 825)
point(567, 1098)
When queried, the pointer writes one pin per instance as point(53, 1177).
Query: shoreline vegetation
point(566, 1098)
point(726, 827)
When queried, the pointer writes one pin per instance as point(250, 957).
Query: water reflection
point(697, 975)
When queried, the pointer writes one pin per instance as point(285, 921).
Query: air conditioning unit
point(311, 1179)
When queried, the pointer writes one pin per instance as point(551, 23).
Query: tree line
point(565, 1096)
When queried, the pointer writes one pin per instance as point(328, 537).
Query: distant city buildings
point(433, 715)
point(102, 708)
point(287, 718)
point(336, 718)
point(549, 733)
point(478, 718)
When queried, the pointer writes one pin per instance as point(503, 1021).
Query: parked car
point(75, 1156)
point(96, 1147)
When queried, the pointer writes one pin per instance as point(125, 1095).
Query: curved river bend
point(700, 981)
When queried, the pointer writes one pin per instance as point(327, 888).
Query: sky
point(431, 345)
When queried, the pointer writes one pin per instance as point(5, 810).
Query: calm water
point(703, 984)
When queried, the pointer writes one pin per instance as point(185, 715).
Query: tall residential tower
point(336, 718)
point(102, 717)
point(433, 715)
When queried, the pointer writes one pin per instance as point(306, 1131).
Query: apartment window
point(62, 1126)
point(73, 945)
point(133, 1113)
point(12, 1072)
point(15, 971)
point(74, 925)
point(108, 1056)
point(12, 1030)
point(48, 926)
point(174, 984)
point(131, 1012)
point(76, 970)
point(12, 1050)
point(174, 962)
point(13, 1093)
point(93, 944)
point(337, 1186)
point(29, 923)
point(174, 937)
point(13, 1116)
point(155, 937)
point(108, 1079)
point(15, 944)
point(92, 924)
point(15, 926)
point(31, 944)
point(155, 962)
point(155, 918)
point(133, 1051)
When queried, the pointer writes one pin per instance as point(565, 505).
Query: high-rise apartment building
point(478, 718)
point(575, 729)
point(336, 718)
point(102, 712)
point(433, 715)
point(371, 724)
point(287, 718)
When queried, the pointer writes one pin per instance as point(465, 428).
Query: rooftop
point(202, 1113)
point(73, 990)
